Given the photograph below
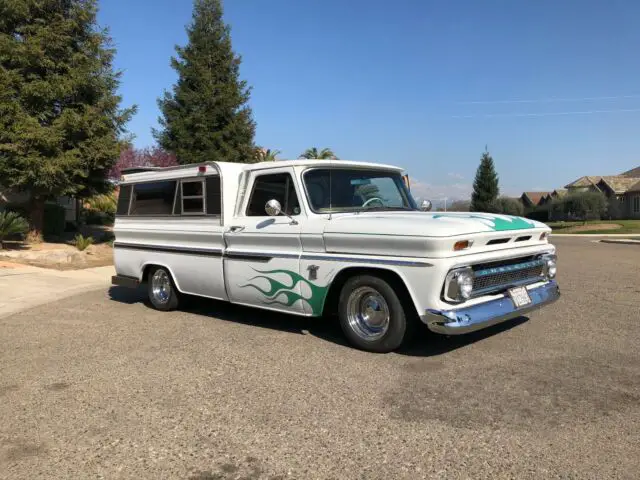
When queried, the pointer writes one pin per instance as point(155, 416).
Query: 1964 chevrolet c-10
point(313, 237)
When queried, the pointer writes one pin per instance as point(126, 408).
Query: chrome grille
point(498, 277)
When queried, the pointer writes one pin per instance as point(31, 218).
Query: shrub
point(93, 217)
point(579, 206)
point(102, 203)
point(12, 224)
point(82, 243)
point(509, 206)
point(541, 214)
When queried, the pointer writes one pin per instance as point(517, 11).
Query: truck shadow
point(429, 344)
point(326, 329)
point(426, 343)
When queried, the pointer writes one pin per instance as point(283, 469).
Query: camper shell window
point(193, 197)
point(189, 196)
point(153, 198)
point(124, 199)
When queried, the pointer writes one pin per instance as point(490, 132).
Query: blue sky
point(550, 86)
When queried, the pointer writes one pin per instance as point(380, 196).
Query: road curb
point(620, 242)
point(589, 235)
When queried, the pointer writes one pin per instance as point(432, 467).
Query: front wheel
point(371, 314)
point(163, 294)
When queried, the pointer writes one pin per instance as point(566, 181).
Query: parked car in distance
point(313, 237)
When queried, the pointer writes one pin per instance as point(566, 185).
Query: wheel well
point(145, 272)
point(333, 296)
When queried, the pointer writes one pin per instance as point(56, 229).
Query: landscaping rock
point(46, 256)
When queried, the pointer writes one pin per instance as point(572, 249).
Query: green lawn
point(626, 227)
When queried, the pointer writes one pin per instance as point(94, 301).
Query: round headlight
point(465, 284)
point(552, 268)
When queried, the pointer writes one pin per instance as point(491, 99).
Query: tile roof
point(584, 182)
point(635, 187)
point(535, 197)
point(619, 183)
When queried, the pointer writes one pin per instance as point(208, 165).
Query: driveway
point(101, 386)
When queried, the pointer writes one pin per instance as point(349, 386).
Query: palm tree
point(11, 224)
point(266, 154)
point(313, 153)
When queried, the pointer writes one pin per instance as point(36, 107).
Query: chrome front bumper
point(482, 315)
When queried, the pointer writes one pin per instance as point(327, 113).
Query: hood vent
point(523, 239)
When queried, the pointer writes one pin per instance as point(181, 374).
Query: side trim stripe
point(262, 257)
point(256, 257)
point(376, 261)
point(209, 252)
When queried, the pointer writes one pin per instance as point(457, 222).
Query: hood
point(427, 224)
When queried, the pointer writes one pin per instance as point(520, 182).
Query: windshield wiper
point(387, 208)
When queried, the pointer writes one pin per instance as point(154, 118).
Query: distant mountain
point(634, 172)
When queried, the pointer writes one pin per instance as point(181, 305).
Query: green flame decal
point(277, 289)
point(499, 224)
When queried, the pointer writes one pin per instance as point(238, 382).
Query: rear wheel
point(162, 292)
point(371, 314)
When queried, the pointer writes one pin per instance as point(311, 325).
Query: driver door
point(262, 256)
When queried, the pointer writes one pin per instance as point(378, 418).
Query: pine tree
point(206, 116)
point(485, 186)
point(60, 120)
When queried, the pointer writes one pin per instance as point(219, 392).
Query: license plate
point(520, 297)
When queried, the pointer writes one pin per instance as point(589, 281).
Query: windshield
point(344, 190)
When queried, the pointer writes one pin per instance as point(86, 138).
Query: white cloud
point(457, 176)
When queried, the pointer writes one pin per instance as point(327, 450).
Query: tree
point(60, 119)
point(314, 153)
point(509, 206)
point(459, 206)
point(266, 154)
point(485, 186)
point(585, 205)
point(146, 157)
point(206, 116)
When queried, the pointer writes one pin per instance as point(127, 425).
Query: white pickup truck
point(318, 237)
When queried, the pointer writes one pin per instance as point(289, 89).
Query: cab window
point(277, 186)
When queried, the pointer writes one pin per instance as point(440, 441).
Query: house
point(533, 199)
point(8, 197)
point(622, 191)
point(583, 184)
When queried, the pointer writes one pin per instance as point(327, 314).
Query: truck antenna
point(330, 190)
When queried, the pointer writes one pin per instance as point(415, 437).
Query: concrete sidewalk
point(23, 287)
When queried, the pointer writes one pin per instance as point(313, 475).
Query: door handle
point(236, 228)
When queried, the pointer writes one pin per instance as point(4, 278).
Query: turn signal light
point(543, 236)
point(462, 245)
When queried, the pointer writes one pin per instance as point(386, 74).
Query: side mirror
point(273, 208)
point(426, 206)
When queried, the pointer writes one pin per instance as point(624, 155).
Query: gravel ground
point(101, 386)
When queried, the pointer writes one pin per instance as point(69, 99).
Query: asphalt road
point(101, 386)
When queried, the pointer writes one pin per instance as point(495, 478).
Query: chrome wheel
point(161, 286)
point(368, 313)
